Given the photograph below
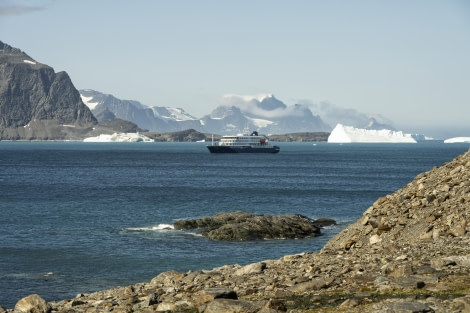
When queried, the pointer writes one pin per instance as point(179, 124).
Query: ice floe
point(457, 139)
point(119, 137)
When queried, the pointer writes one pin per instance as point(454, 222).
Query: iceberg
point(119, 137)
point(348, 134)
point(457, 139)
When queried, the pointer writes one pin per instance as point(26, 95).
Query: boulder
point(32, 304)
point(254, 268)
point(323, 222)
point(210, 294)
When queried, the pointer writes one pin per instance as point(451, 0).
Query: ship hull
point(242, 149)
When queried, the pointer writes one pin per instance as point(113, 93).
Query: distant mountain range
point(154, 119)
point(267, 114)
point(38, 104)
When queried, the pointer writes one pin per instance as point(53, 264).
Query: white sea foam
point(158, 227)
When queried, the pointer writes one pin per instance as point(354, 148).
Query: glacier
point(119, 137)
point(349, 134)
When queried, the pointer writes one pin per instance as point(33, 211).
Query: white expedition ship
point(243, 143)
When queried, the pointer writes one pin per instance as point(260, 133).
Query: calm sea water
point(79, 217)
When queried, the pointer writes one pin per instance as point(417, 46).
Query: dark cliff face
point(33, 96)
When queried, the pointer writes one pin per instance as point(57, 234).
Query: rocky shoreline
point(409, 252)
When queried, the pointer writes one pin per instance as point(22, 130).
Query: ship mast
point(246, 130)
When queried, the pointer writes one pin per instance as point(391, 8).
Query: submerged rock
point(243, 226)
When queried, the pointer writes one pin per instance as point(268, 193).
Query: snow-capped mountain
point(176, 114)
point(155, 119)
point(264, 113)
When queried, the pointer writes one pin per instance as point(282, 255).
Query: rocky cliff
point(409, 252)
point(36, 102)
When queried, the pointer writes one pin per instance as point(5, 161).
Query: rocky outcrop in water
point(36, 102)
point(188, 135)
point(243, 226)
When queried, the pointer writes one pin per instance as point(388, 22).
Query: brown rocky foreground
point(409, 252)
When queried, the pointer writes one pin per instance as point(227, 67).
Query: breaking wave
point(159, 227)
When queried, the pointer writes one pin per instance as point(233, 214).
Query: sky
point(408, 61)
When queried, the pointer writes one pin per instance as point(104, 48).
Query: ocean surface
point(79, 217)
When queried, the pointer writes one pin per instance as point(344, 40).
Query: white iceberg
point(457, 139)
point(348, 134)
point(119, 137)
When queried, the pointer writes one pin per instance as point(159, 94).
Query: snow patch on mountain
point(88, 102)
point(176, 114)
point(349, 134)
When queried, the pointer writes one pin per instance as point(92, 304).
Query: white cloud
point(8, 10)
point(250, 105)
